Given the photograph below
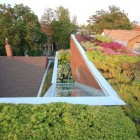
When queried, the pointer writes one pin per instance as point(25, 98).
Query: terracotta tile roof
point(122, 35)
point(21, 76)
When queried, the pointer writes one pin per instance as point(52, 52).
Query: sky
point(82, 9)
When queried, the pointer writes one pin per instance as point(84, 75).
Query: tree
point(74, 20)
point(48, 16)
point(22, 28)
point(46, 26)
point(112, 19)
point(60, 25)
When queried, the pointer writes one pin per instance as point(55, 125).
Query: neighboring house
point(129, 38)
point(20, 76)
point(137, 28)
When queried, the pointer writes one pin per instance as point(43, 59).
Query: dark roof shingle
point(21, 76)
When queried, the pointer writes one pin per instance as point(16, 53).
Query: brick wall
point(79, 68)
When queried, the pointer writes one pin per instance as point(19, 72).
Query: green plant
point(21, 26)
point(122, 72)
point(64, 56)
point(64, 74)
point(87, 45)
point(61, 121)
point(103, 39)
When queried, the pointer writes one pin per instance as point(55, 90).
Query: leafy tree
point(74, 20)
point(21, 26)
point(112, 19)
point(48, 16)
point(46, 26)
point(60, 26)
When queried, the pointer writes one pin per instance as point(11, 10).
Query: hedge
point(62, 121)
point(121, 68)
point(123, 73)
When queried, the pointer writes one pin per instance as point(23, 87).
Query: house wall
point(132, 42)
point(80, 70)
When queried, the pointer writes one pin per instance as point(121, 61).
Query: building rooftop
point(123, 35)
point(21, 76)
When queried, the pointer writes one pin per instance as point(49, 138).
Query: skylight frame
point(112, 97)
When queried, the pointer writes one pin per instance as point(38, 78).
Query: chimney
point(8, 49)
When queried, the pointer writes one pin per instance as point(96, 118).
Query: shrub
point(64, 56)
point(103, 39)
point(122, 72)
point(61, 121)
point(87, 45)
point(121, 68)
point(64, 74)
point(112, 45)
point(82, 38)
point(108, 47)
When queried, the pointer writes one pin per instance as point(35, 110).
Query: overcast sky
point(81, 8)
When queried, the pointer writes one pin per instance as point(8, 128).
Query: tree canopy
point(112, 19)
point(59, 27)
point(22, 28)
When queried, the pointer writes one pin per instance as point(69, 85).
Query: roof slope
point(137, 28)
point(21, 76)
point(123, 35)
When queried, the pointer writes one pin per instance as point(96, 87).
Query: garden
point(64, 74)
point(58, 121)
point(61, 121)
point(65, 81)
point(120, 67)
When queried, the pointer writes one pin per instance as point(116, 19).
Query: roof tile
point(123, 35)
point(21, 76)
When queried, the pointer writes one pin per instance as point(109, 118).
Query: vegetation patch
point(103, 38)
point(121, 68)
point(60, 121)
point(64, 74)
point(122, 72)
